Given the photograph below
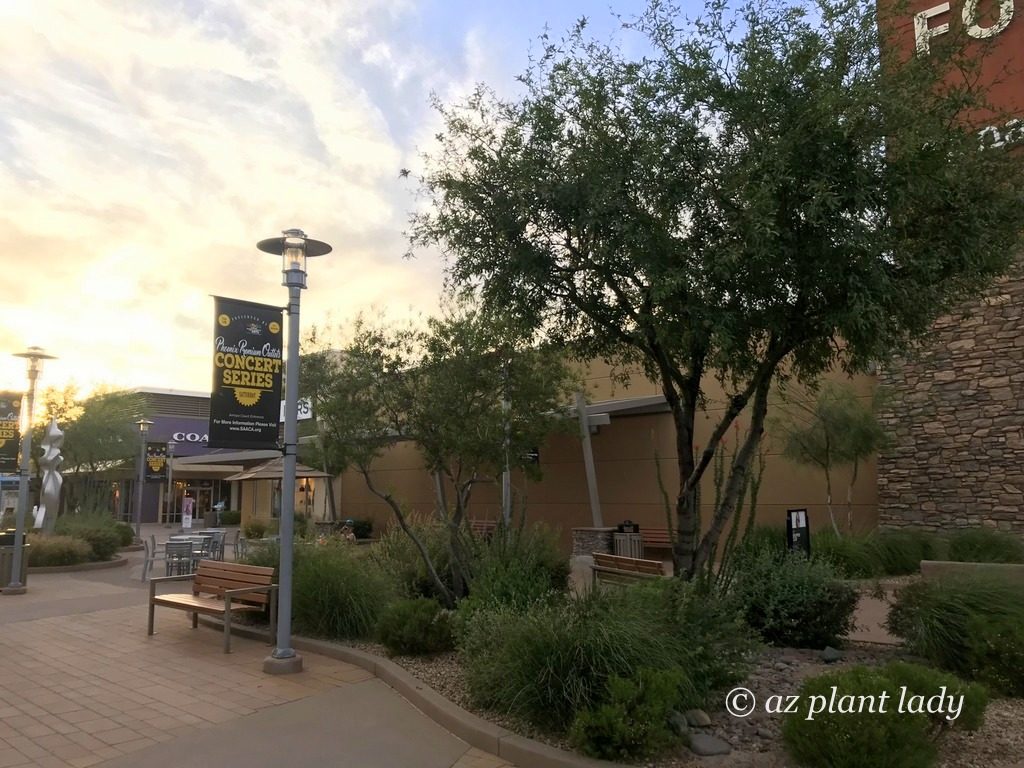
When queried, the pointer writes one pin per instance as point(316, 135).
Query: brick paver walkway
point(83, 688)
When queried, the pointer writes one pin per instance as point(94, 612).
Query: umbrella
point(274, 470)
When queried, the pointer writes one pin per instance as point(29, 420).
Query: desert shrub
point(255, 529)
point(337, 593)
point(762, 538)
point(125, 533)
point(57, 550)
point(853, 557)
point(266, 554)
point(964, 624)
point(415, 626)
point(362, 529)
point(230, 517)
point(874, 731)
point(899, 553)
point(985, 545)
point(633, 721)
point(516, 569)
point(104, 534)
point(396, 554)
point(794, 601)
point(554, 660)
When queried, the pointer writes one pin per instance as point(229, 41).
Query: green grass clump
point(414, 627)
point(985, 545)
point(48, 551)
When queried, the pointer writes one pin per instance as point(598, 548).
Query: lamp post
point(143, 425)
point(171, 445)
point(294, 248)
point(35, 356)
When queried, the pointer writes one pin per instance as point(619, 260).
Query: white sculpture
point(49, 463)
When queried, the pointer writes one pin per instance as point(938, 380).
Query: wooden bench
point(624, 570)
point(221, 589)
point(482, 528)
point(657, 538)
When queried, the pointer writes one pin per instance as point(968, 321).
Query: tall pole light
point(171, 445)
point(35, 356)
point(143, 425)
point(294, 248)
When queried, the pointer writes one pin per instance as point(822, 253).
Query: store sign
point(304, 409)
point(190, 437)
point(10, 416)
point(247, 375)
point(932, 22)
point(156, 462)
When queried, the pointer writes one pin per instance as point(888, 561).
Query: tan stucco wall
point(624, 454)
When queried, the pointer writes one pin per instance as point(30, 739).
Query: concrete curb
point(102, 565)
point(133, 548)
point(472, 729)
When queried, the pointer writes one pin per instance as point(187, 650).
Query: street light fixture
point(294, 248)
point(35, 356)
point(143, 425)
point(171, 445)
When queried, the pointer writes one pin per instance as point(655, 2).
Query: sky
point(146, 145)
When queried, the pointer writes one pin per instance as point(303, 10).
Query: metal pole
point(588, 461)
point(15, 587)
point(506, 475)
point(284, 648)
point(170, 482)
point(141, 480)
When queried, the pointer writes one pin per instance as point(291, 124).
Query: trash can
point(7, 563)
point(626, 541)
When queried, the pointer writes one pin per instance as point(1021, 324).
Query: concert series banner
point(10, 418)
point(156, 462)
point(248, 370)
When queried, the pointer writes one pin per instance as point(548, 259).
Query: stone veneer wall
point(586, 541)
point(956, 415)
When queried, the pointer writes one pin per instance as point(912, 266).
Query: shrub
point(415, 626)
point(858, 732)
point(633, 722)
point(57, 550)
point(396, 554)
point(969, 626)
point(255, 529)
point(125, 534)
point(104, 534)
point(554, 660)
point(230, 517)
point(985, 545)
point(794, 601)
point(899, 553)
point(853, 557)
point(761, 538)
point(362, 529)
point(338, 594)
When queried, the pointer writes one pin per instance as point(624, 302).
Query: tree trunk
point(849, 497)
point(738, 475)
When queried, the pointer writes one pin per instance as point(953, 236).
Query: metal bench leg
point(195, 620)
point(151, 609)
point(227, 625)
point(272, 637)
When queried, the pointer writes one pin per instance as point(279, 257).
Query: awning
point(274, 470)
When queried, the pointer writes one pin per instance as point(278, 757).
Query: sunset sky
point(146, 146)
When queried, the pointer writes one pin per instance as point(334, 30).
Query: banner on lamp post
point(248, 369)
point(156, 462)
point(10, 418)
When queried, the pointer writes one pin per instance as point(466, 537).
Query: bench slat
point(201, 604)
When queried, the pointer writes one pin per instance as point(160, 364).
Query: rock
point(706, 745)
point(781, 665)
point(679, 724)
point(764, 733)
point(831, 655)
point(698, 718)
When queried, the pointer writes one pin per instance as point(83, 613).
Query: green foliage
point(57, 550)
point(794, 601)
point(555, 660)
point(230, 517)
point(516, 569)
point(970, 626)
point(985, 545)
point(416, 626)
point(255, 529)
point(851, 556)
point(396, 554)
point(125, 533)
point(339, 594)
point(853, 735)
point(633, 722)
point(886, 553)
point(267, 555)
point(102, 533)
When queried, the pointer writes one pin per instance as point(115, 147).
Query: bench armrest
point(246, 590)
point(154, 581)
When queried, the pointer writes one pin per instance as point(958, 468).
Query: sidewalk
point(81, 684)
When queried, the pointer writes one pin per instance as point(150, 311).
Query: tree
point(99, 434)
point(768, 195)
point(443, 388)
point(833, 429)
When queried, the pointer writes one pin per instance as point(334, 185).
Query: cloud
point(147, 147)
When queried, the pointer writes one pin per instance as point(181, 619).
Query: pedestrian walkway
point(81, 684)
